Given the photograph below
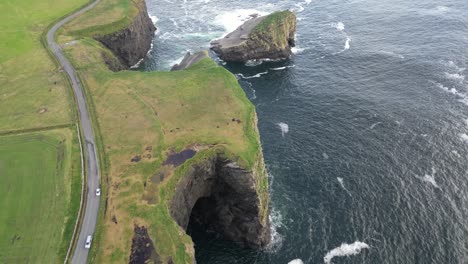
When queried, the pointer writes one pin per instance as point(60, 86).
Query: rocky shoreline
point(268, 37)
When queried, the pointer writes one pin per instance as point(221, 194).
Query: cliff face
point(189, 60)
point(268, 37)
point(131, 43)
point(220, 194)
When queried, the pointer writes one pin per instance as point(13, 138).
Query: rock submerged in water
point(265, 37)
point(189, 60)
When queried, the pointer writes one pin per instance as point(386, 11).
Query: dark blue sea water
point(364, 129)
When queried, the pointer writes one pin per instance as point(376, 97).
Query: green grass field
point(37, 174)
point(33, 92)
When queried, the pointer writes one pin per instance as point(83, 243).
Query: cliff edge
point(267, 37)
point(131, 43)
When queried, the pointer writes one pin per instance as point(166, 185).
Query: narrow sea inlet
point(364, 129)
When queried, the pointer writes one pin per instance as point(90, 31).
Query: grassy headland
point(149, 114)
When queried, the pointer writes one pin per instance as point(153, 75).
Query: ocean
point(364, 129)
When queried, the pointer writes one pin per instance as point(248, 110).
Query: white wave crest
point(430, 178)
point(282, 68)
point(455, 76)
point(276, 240)
point(345, 250)
point(347, 46)
point(339, 26)
point(234, 18)
point(154, 19)
point(253, 63)
point(296, 261)
point(464, 137)
point(453, 65)
point(284, 128)
point(258, 75)
point(297, 50)
point(341, 181)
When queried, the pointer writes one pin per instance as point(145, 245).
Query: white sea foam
point(138, 63)
point(464, 137)
point(393, 54)
point(455, 76)
point(284, 128)
point(282, 68)
point(253, 63)
point(276, 240)
point(345, 250)
point(454, 66)
point(297, 50)
point(347, 46)
point(456, 153)
point(375, 124)
point(299, 8)
point(296, 261)
point(341, 181)
point(452, 91)
point(154, 19)
point(442, 9)
point(234, 18)
point(339, 26)
point(258, 75)
point(430, 178)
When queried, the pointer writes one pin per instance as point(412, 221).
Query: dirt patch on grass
point(143, 250)
point(179, 158)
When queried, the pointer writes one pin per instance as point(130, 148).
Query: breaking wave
point(284, 128)
point(296, 261)
point(345, 250)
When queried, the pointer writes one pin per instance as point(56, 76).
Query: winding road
point(91, 208)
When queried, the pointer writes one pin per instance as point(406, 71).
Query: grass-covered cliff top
point(147, 115)
point(277, 26)
point(106, 17)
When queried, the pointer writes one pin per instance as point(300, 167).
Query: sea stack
point(266, 37)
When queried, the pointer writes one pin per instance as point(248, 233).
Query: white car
point(88, 242)
point(98, 192)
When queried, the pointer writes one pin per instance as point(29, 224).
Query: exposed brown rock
point(131, 43)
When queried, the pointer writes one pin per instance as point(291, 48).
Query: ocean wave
point(391, 53)
point(341, 182)
point(464, 137)
point(339, 26)
point(276, 240)
point(455, 76)
point(345, 250)
point(282, 68)
point(284, 128)
point(297, 50)
point(462, 97)
point(325, 155)
point(296, 261)
point(347, 46)
point(253, 63)
point(454, 66)
point(258, 75)
point(429, 178)
point(154, 19)
point(231, 20)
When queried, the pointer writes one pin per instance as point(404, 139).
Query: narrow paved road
point(92, 202)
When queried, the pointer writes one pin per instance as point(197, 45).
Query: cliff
point(131, 43)
point(172, 143)
point(268, 37)
point(224, 197)
point(189, 60)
